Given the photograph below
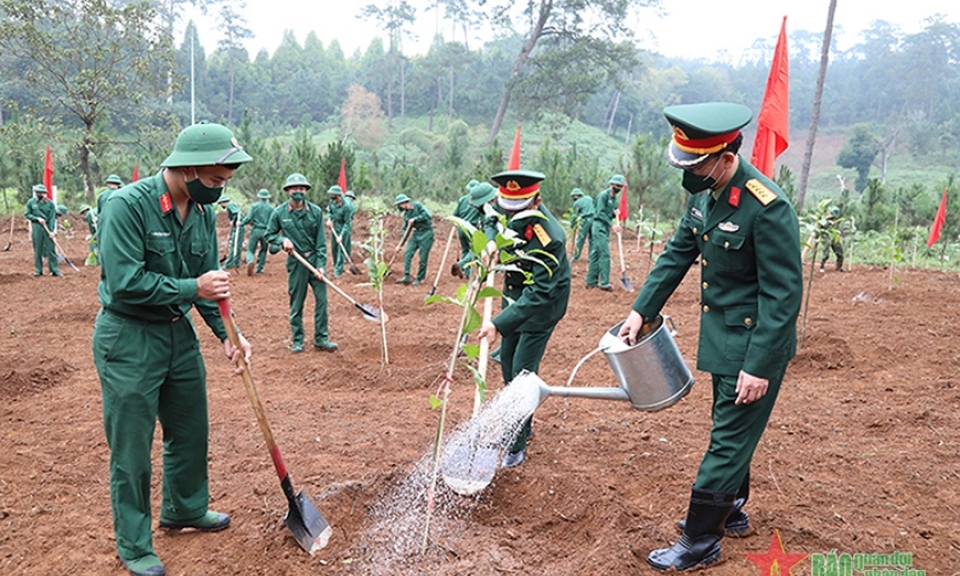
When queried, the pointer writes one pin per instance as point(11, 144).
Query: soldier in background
point(831, 241)
point(258, 217)
point(582, 219)
point(42, 214)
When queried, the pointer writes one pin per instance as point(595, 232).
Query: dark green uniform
point(102, 200)
point(466, 211)
point(583, 216)
point(421, 238)
point(258, 218)
point(303, 227)
point(43, 245)
point(91, 219)
point(831, 243)
point(749, 248)
point(235, 247)
point(598, 271)
point(341, 214)
point(527, 323)
point(147, 355)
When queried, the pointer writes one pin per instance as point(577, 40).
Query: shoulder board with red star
point(734, 199)
point(763, 194)
point(542, 234)
point(166, 204)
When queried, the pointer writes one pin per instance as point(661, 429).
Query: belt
point(142, 320)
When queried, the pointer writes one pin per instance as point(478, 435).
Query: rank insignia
point(542, 234)
point(728, 227)
point(734, 196)
point(166, 204)
point(763, 194)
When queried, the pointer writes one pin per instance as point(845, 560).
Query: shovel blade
point(370, 312)
point(310, 529)
point(627, 284)
point(354, 270)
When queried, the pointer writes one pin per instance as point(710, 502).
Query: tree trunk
point(450, 98)
point(230, 102)
point(613, 112)
point(88, 189)
point(817, 101)
point(546, 6)
point(390, 90)
point(403, 88)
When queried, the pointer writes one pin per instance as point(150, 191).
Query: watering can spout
point(597, 393)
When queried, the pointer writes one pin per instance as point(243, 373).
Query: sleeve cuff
point(188, 289)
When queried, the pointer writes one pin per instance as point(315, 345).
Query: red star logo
point(776, 561)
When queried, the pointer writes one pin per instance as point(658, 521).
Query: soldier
point(258, 217)
point(465, 211)
point(235, 242)
point(582, 218)
point(527, 323)
point(42, 213)
point(297, 225)
point(416, 215)
point(605, 209)
point(832, 242)
point(159, 260)
point(113, 183)
point(340, 223)
point(346, 235)
point(91, 219)
point(745, 233)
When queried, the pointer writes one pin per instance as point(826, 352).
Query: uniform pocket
point(159, 255)
point(730, 252)
point(739, 322)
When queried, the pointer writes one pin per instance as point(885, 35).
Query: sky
point(719, 30)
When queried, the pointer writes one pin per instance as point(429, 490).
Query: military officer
point(159, 260)
point(340, 220)
point(605, 209)
point(527, 323)
point(415, 215)
point(465, 211)
point(257, 218)
point(113, 183)
point(237, 229)
point(745, 233)
point(582, 218)
point(42, 214)
point(297, 225)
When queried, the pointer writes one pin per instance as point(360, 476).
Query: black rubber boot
point(700, 543)
point(738, 522)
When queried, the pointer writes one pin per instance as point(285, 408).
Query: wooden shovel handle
point(443, 259)
point(623, 267)
point(323, 278)
point(484, 357)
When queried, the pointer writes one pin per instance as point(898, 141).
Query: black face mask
point(201, 193)
point(694, 183)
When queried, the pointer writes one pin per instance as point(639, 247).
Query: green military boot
point(209, 522)
point(148, 565)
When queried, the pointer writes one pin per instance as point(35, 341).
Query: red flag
point(136, 174)
point(342, 180)
point(48, 176)
point(773, 123)
point(623, 205)
point(515, 152)
point(939, 221)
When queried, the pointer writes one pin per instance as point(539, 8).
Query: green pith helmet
point(223, 200)
point(114, 179)
point(471, 184)
point(834, 210)
point(61, 210)
point(335, 190)
point(482, 193)
point(296, 179)
point(576, 192)
point(350, 194)
point(84, 208)
point(205, 145)
point(700, 130)
point(400, 199)
point(264, 194)
point(618, 180)
point(39, 188)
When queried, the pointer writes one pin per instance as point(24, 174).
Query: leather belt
point(142, 320)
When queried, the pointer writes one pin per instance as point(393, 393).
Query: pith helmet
point(400, 199)
point(263, 193)
point(61, 209)
point(39, 188)
point(576, 192)
point(335, 190)
point(834, 210)
point(223, 200)
point(84, 208)
point(482, 193)
point(206, 145)
point(350, 194)
point(296, 179)
point(618, 180)
point(114, 179)
point(471, 184)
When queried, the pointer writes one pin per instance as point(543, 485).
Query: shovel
point(403, 241)
point(10, 241)
point(370, 312)
point(443, 261)
point(62, 253)
point(309, 527)
point(624, 281)
point(353, 267)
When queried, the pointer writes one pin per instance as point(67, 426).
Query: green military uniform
point(113, 183)
point(747, 239)
point(346, 231)
point(465, 211)
point(146, 350)
point(304, 227)
point(530, 311)
point(583, 219)
point(831, 243)
point(341, 211)
point(91, 219)
point(237, 231)
point(604, 206)
point(258, 217)
point(40, 207)
point(421, 239)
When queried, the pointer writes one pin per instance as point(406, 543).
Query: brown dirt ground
point(861, 454)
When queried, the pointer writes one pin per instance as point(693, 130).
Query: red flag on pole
point(939, 221)
point(48, 176)
point(623, 213)
point(342, 180)
point(773, 122)
point(136, 174)
point(515, 152)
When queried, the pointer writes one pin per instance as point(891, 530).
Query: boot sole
point(702, 565)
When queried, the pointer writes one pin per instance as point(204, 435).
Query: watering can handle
point(673, 327)
point(580, 363)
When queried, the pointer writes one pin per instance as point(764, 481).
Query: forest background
point(107, 86)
